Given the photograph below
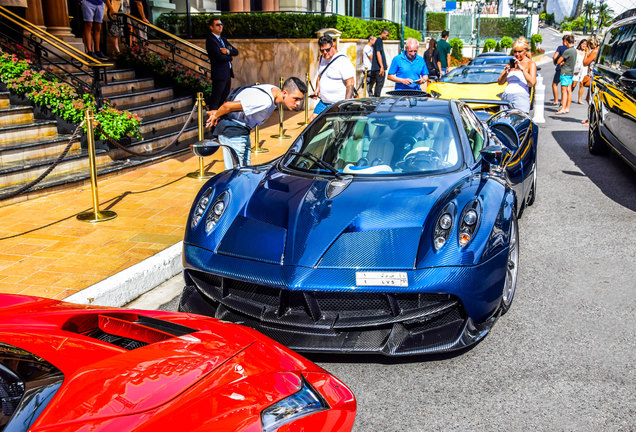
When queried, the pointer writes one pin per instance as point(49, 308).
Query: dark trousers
point(376, 82)
point(220, 92)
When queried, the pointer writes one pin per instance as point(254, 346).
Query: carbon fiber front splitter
point(445, 331)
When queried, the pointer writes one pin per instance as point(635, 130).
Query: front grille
point(331, 310)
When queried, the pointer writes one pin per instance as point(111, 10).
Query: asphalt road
point(563, 358)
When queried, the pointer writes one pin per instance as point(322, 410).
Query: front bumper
point(316, 310)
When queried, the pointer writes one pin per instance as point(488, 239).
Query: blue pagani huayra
point(389, 226)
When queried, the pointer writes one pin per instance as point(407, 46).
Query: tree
point(605, 16)
point(588, 10)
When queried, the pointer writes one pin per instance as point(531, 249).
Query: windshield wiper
point(322, 163)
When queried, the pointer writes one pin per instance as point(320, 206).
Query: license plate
point(399, 279)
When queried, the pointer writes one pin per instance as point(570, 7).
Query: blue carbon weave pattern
point(389, 249)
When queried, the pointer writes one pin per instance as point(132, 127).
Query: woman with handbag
point(580, 70)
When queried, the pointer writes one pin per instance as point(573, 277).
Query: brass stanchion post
point(306, 122)
point(201, 173)
point(257, 140)
point(281, 132)
point(366, 93)
point(95, 215)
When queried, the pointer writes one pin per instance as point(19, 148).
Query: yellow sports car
point(470, 82)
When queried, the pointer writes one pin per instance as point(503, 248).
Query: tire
point(512, 267)
point(533, 191)
point(595, 143)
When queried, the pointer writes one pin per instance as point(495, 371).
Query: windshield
point(503, 60)
point(377, 145)
point(473, 75)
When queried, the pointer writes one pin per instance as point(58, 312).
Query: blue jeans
point(241, 145)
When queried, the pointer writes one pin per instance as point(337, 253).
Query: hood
point(467, 91)
point(289, 220)
point(125, 381)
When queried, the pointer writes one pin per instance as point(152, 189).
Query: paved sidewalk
point(45, 251)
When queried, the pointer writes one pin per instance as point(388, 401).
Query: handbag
point(586, 81)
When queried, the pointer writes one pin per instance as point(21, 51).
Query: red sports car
point(67, 367)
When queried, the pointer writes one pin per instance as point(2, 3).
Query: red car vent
point(127, 330)
point(131, 330)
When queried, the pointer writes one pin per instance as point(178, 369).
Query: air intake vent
point(126, 330)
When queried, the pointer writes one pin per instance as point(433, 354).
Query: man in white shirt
point(336, 76)
point(367, 57)
point(249, 107)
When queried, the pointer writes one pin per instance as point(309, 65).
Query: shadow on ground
point(610, 173)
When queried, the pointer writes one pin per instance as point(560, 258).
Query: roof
point(393, 104)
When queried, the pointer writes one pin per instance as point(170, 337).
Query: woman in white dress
point(580, 71)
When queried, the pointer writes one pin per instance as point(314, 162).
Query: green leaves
point(284, 25)
point(456, 48)
point(62, 99)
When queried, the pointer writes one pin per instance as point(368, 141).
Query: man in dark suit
point(220, 53)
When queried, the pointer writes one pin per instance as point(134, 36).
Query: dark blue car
point(389, 226)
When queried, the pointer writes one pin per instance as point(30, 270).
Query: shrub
point(534, 40)
point(498, 47)
point(435, 21)
point(489, 45)
point(163, 66)
point(456, 48)
point(282, 25)
point(503, 27)
point(506, 42)
point(547, 18)
point(62, 99)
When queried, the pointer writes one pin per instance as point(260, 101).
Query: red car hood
point(103, 381)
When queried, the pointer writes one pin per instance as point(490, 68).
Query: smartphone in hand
point(513, 63)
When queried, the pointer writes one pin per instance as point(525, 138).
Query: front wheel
point(512, 267)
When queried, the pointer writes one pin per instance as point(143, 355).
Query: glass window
point(378, 144)
point(473, 129)
point(474, 75)
point(619, 48)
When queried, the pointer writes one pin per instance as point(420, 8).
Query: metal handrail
point(164, 33)
point(52, 39)
point(161, 42)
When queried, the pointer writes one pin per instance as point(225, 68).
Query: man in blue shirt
point(408, 70)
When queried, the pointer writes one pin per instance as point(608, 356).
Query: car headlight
point(199, 208)
point(216, 211)
point(443, 226)
point(469, 222)
point(304, 402)
point(435, 94)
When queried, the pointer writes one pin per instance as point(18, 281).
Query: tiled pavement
point(45, 251)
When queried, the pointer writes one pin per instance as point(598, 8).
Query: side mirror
point(208, 148)
point(628, 78)
point(493, 155)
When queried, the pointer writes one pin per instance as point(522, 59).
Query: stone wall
point(266, 60)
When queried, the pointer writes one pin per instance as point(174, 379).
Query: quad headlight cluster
point(467, 224)
point(302, 403)
point(216, 209)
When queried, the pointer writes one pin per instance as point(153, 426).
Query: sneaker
point(100, 55)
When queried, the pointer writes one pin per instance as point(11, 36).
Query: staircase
point(28, 146)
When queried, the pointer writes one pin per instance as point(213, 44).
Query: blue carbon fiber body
point(281, 233)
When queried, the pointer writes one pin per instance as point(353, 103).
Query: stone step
point(32, 150)
point(128, 88)
point(127, 101)
point(32, 131)
point(189, 136)
point(16, 115)
point(165, 124)
point(4, 100)
point(22, 172)
point(162, 107)
point(113, 75)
